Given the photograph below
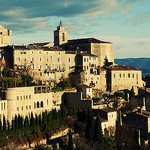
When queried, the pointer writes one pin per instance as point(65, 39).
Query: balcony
point(54, 70)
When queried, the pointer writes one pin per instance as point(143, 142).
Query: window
point(87, 60)
point(29, 106)
point(39, 52)
point(24, 97)
point(63, 37)
point(114, 76)
point(120, 75)
point(58, 53)
point(87, 68)
point(97, 78)
point(31, 52)
point(4, 106)
point(42, 105)
point(38, 104)
point(33, 66)
point(128, 75)
point(84, 67)
point(34, 105)
point(40, 73)
point(84, 59)
point(137, 76)
point(17, 108)
point(46, 59)
point(40, 59)
point(29, 96)
point(58, 59)
point(17, 97)
point(22, 108)
point(132, 75)
point(1, 106)
point(68, 59)
point(26, 107)
point(20, 97)
point(47, 101)
point(40, 67)
point(18, 59)
point(96, 82)
point(32, 60)
point(24, 59)
point(124, 75)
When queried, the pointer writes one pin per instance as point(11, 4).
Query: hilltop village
point(77, 74)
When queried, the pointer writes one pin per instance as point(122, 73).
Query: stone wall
point(74, 99)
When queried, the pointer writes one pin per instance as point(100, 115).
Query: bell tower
point(60, 35)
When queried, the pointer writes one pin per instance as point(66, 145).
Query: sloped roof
point(87, 54)
point(122, 68)
point(85, 40)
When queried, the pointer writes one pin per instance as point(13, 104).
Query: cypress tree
point(0, 125)
point(132, 100)
point(8, 125)
point(36, 120)
point(70, 144)
point(40, 120)
point(4, 123)
point(16, 122)
point(32, 121)
point(90, 126)
point(13, 124)
point(26, 122)
point(98, 135)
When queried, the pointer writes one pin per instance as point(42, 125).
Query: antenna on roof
point(60, 23)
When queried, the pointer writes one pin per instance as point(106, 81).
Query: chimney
point(139, 138)
point(128, 97)
point(120, 117)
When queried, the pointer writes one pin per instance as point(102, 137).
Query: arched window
point(42, 105)
point(63, 37)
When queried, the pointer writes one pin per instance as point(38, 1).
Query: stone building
point(24, 100)
point(90, 59)
point(5, 35)
point(108, 119)
point(139, 121)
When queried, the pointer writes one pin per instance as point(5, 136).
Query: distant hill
point(140, 63)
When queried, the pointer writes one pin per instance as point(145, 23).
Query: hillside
point(140, 63)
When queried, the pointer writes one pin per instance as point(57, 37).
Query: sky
point(125, 23)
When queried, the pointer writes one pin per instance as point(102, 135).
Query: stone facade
point(86, 57)
point(5, 35)
point(24, 100)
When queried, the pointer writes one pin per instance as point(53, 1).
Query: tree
point(70, 144)
point(32, 121)
point(132, 101)
point(90, 125)
point(4, 123)
point(0, 125)
point(8, 125)
point(98, 135)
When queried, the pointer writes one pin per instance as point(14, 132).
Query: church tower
point(60, 35)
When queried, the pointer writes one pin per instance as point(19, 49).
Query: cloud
point(21, 14)
point(129, 47)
